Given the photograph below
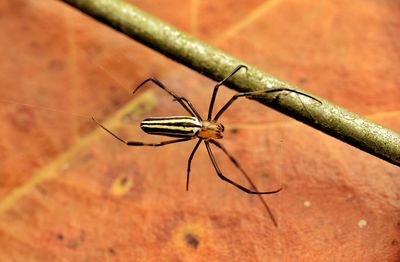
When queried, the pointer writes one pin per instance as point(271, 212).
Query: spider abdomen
point(175, 126)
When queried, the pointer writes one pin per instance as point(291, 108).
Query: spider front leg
point(255, 94)
point(138, 143)
point(210, 109)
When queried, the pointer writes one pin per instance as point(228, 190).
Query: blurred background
point(71, 192)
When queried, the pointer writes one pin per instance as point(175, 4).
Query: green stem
point(181, 47)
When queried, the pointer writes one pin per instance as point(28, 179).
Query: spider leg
point(189, 107)
point(184, 99)
point(236, 163)
point(219, 173)
point(137, 143)
point(214, 94)
point(189, 162)
point(257, 93)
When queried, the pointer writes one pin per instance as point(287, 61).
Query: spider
point(185, 128)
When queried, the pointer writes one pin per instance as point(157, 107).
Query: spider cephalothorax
point(210, 130)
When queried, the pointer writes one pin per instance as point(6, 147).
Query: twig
point(329, 118)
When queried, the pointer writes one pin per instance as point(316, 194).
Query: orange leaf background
point(71, 192)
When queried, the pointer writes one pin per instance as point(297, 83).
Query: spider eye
point(222, 128)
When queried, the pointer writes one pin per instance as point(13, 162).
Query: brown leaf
point(69, 191)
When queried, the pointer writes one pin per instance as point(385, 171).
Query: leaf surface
point(71, 192)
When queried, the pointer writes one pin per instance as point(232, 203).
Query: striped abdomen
point(176, 126)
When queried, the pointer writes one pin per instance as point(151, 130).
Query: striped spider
point(185, 128)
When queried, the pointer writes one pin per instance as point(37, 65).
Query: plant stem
point(181, 47)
